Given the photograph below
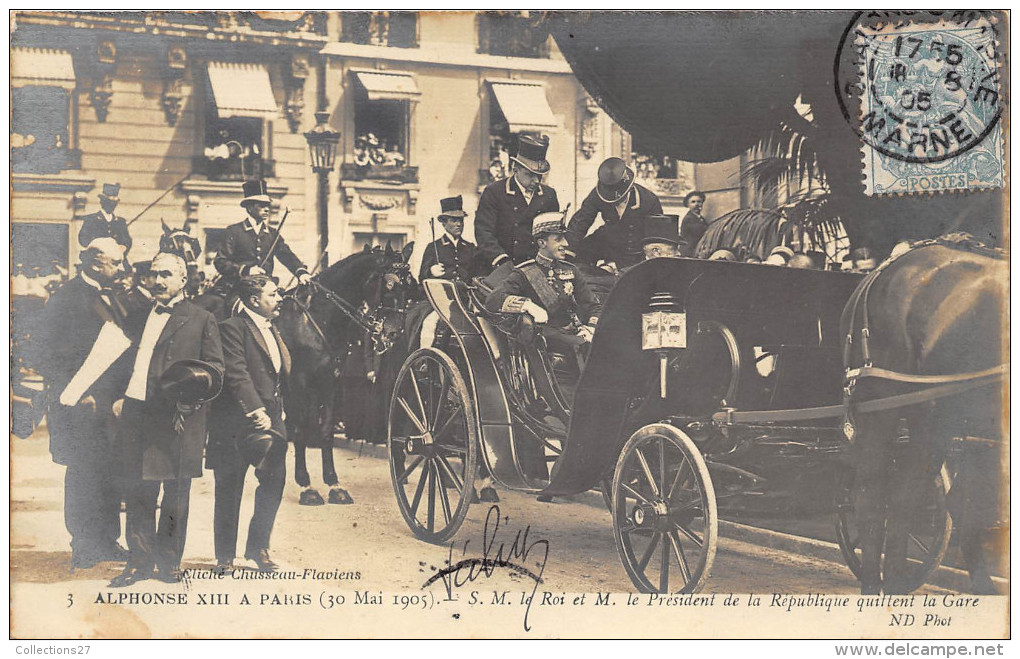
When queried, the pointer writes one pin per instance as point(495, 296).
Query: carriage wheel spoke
point(634, 493)
point(643, 563)
point(414, 465)
point(917, 541)
point(444, 390)
point(414, 419)
point(676, 479)
point(446, 424)
point(451, 473)
point(691, 535)
point(664, 568)
point(433, 485)
point(443, 497)
point(681, 557)
point(417, 493)
point(648, 472)
point(662, 464)
point(417, 395)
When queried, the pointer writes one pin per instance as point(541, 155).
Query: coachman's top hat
point(452, 207)
point(111, 191)
point(191, 382)
point(662, 229)
point(531, 153)
point(258, 447)
point(546, 223)
point(255, 190)
point(615, 180)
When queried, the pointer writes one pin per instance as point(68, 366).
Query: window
point(397, 29)
point(515, 109)
point(513, 34)
point(42, 84)
point(40, 249)
point(383, 105)
point(660, 173)
point(238, 118)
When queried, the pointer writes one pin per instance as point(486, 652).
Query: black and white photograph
point(510, 324)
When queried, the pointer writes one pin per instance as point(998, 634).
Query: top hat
point(110, 191)
point(615, 180)
point(255, 190)
point(531, 154)
point(452, 207)
point(257, 447)
point(662, 229)
point(546, 223)
point(191, 382)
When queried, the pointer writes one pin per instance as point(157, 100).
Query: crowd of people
point(144, 387)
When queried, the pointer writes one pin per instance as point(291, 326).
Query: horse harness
point(935, 386)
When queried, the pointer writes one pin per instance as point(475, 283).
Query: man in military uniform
point(450, 256)
point(104, 223)
point(550, 290)
point(506, 208)
point(693, 225)
point(245, 249)
point(662, 237)
point(623, 205)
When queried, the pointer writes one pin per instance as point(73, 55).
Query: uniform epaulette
point(524, 263)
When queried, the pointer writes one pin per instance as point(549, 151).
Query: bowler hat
point(662, 229)
point(255, 190)
point(452, 207)
point(191, 382)
point(110, 191)
point(546, 223)
point(258, 447)
point(531, 153)
point(615, 180)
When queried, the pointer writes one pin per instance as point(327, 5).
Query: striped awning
point(388, 85)
point(42, 66)
point(242, 90)
point(524, 105)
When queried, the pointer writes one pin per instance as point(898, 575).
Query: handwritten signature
point(513, 559)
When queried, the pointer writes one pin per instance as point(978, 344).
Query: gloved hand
point(251, 271)
point(438, 270)
point(118, 407)
point(304, 278)
point(610, 267)
point(371, 376)
point(586, 332)
point(536, 312)
point(260, 419)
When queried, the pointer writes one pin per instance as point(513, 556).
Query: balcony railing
point(349, 171)
point(230, 169)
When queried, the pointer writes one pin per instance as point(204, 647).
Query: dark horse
point(317, 331)
point(188, 247)
point(936, 310)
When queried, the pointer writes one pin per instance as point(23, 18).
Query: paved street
point(364, 547)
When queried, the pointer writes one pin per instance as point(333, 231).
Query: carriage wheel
point(664, 511)
point(433, 445)
point(927, 542)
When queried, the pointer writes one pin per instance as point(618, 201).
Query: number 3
point(70, 600)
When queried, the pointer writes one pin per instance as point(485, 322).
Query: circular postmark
point(919, 87)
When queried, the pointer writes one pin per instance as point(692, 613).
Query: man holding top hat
point(104, 223)
point(623, 205)
point(449, 256)
point(176, 366)
point(506, 208)
point(247, 427)
point(662, 237)
point(249, 247)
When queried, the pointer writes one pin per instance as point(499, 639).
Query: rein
point(359, 318)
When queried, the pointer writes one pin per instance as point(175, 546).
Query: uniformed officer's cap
point(547, 223)
point(452, 207)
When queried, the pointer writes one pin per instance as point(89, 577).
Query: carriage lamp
point(664, 330)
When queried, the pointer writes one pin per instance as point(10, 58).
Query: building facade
point(180, 107)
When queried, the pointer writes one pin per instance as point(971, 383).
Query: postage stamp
point(930, 107)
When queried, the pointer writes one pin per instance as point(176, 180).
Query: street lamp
point(322, 145)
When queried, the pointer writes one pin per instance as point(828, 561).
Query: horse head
point(180, 242)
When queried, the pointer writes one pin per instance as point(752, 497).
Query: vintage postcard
point(510, 324)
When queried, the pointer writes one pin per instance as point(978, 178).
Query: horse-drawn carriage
point(699, 372)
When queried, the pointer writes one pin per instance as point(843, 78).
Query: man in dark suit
point(104, 223)
point(506, 208)
point(245, 247)
point(449, 256)
point(693, 225)
point(158, 454)
point(255, 383)
point(623, 205)
point(81, 424)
